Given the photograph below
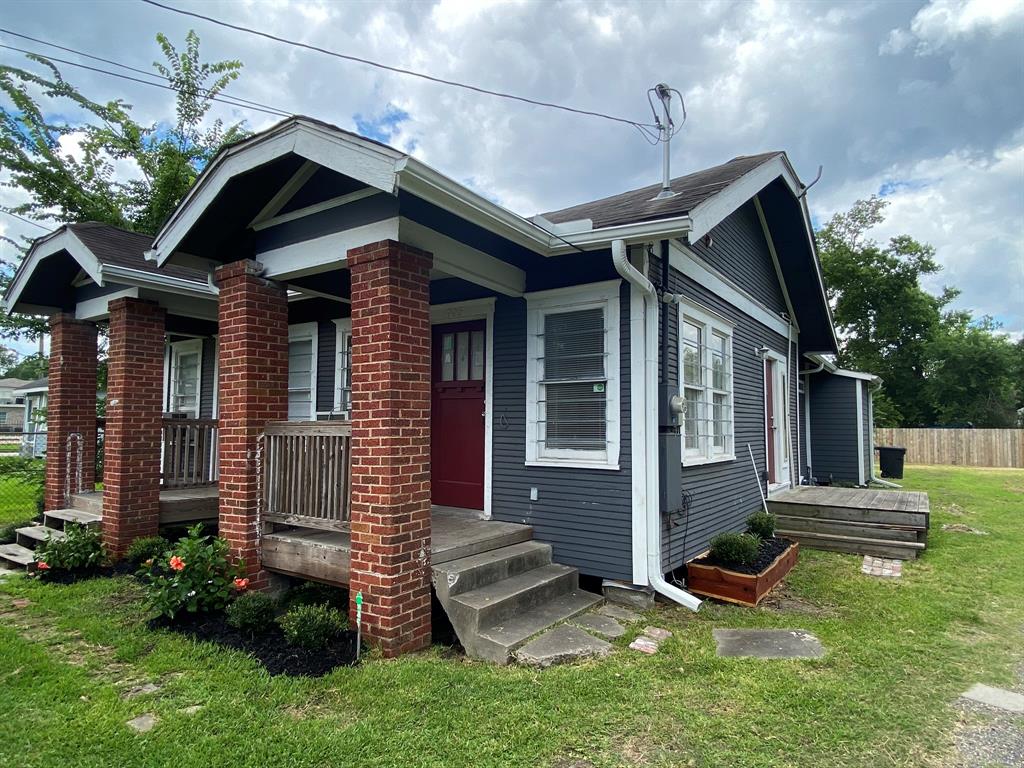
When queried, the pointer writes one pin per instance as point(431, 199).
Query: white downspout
point(649, 344)
point(875, 386)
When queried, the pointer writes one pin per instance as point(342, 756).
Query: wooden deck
point(325, 555)
point(886, 523)
point(177, 505)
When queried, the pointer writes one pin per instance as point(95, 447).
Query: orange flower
point(241, 584)
point(177, 563)
point(43, 566)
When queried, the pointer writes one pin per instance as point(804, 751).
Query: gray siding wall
point(723, 494)
point(585, 514)
point(834, 427)
point(740, 252)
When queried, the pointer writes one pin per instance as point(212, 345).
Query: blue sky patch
point(900, 185)
point(381, 127)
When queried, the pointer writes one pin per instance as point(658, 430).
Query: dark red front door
point(769, 415)
point(457, 415)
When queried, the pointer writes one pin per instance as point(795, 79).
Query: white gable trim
point(63, 240)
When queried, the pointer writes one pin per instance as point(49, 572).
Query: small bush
point(735, 548)
point(761, 524)
point(146, 548)
point(315, 593)
point(194, 575)
point(80, 549)
point(312, 626)
point(9, 532)
point(252, 613)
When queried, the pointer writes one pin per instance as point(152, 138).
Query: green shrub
point(315, 593)
point(9, 531)
point(761, 524)
point(312, 626)
point(80, 549)
point(146, 548)
point(252, 612)
point(735, 548)
point(194, 575)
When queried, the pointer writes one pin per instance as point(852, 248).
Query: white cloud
point(942, 22)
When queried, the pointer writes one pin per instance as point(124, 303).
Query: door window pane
point(447, 357)
point(186, 383)
point(477, 346)
point(462, 355)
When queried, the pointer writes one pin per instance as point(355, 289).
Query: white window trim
point(342, 328)
point(302, 332)
point(178, 348)
point(604, 295)
point(710, 323)
point(783, 471)
point(215, 408)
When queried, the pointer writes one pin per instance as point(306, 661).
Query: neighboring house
point(12, 405)
point(372, 341)
point(33, 394)
point(839, 430)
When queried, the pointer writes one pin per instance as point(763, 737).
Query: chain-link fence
point(22, 475)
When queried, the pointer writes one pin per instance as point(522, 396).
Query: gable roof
point(640, 204)
point(123, 248)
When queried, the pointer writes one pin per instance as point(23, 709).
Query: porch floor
point(177, 505)
point(325, 555)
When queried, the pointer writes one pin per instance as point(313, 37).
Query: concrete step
point(58, 518)
point(457, 577)
point(16, 555)
point(494, 603)
point(88, 502)
point(561, 645)
point(499, 642)
point(32, 536)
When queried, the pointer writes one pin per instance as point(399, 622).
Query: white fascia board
point(708, 214)
point(62, 240)
point(855, 374)
point(366, 162)
point(639, 232)
point(321, 254)
point(157, 281)
point(686, 261)
point(183, 306)
point(99, 307)
point(459, 260)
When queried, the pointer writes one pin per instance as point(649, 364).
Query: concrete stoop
point(21, 554)
point(499, 601)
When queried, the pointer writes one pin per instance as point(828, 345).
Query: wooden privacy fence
point(189, 448)
point(965, 447)
point(306, 471)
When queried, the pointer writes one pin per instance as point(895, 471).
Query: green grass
point(898, 653)
point(17, 500)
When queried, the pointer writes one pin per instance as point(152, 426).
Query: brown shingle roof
point(639, 204)
point(111, 245)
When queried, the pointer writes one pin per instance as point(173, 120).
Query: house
point(390, 382)
point(33, 427)
point(12, 405)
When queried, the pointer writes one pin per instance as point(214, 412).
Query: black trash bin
point(891, 460)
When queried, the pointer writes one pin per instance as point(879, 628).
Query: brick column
point(70, 406)
point(391, 443)
point(253, 365)
point(131, 451)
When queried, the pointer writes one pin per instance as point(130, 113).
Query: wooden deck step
point(16, 555)
point(900, 550)
point(32, 536)
point(58, 518)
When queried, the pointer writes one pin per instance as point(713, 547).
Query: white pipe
point(649, 345)
point(875, 386)
point(789, 383)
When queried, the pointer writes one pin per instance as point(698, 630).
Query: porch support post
point(390, 506)
point(131, 455)
point(253, 371)
point(70, 407)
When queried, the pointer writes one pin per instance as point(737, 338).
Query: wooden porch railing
point(189, 453)
point(306, 471)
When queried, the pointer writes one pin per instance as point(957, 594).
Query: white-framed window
point(343, 366)
point(302, 349)
point(572, 376)
point(705, 383)
point(184, 380)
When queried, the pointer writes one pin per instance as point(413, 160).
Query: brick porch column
point(391, 443)
point(253, 366)
point(131, 451)
point(70, 406)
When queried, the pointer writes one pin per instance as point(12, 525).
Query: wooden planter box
point(742, 588)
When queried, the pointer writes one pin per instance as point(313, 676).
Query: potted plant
point(743, 567)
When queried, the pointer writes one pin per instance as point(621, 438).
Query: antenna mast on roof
point(666, 132)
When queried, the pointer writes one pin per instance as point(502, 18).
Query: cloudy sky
point(922, 102)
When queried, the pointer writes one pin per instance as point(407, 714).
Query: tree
point(35, 144)
point(29, 367)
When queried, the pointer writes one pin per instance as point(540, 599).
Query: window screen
point(574, 381)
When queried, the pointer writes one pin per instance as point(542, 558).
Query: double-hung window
point(186, 366)
point(343, 366)
point(302, 344)
point(705, 377)
point(572, 376)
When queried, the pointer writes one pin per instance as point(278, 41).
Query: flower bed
point(745, 584)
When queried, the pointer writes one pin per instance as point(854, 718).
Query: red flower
point(241, 584)
point(43, 566)
point(177, 563)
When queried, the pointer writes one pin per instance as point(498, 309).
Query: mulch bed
point(770, 549)
point(62, 576)
point(270, 648)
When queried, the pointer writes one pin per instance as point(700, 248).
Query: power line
point(399, 70)
point(22, 218)
point(222, 99)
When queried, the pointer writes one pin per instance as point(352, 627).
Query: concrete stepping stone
point(143, 723)
point(620, 613)
point(599, 624)
point(995, 697)
point(192, 710)
point(560, 645)
point(140, 690)
point(767, 643)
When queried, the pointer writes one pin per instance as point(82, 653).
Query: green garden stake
point(359, 622)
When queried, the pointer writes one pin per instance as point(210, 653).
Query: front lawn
point(898, 654)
